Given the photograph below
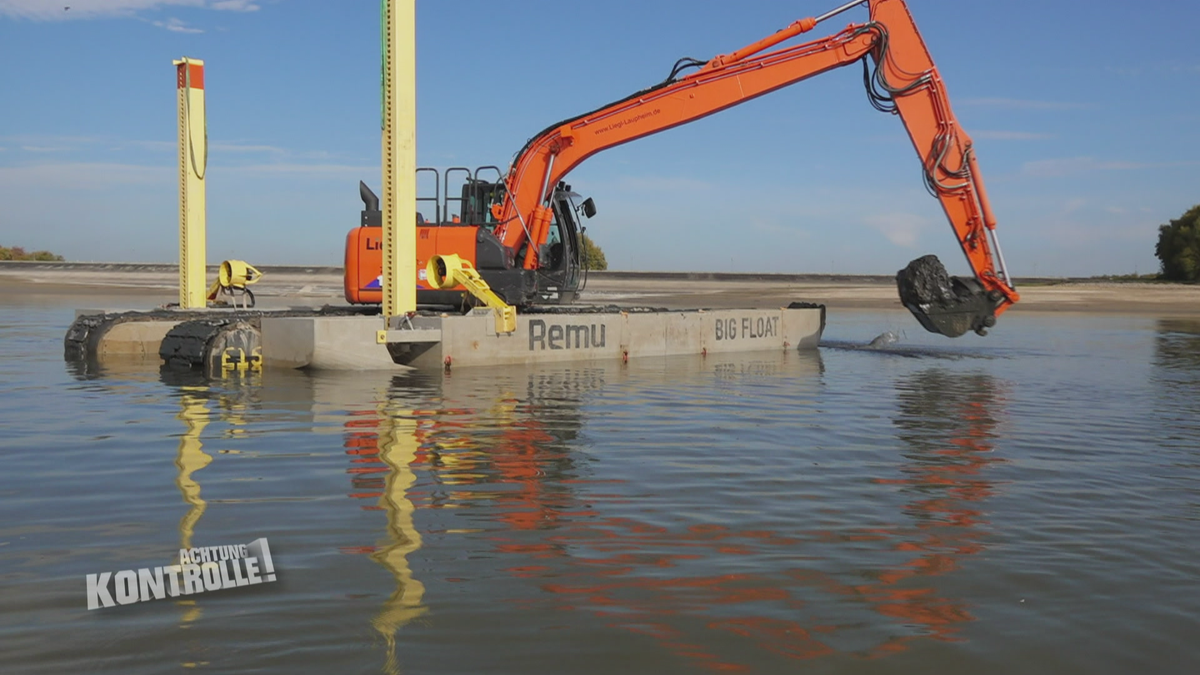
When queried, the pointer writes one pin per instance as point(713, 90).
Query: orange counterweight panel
point(363, 279)
point(364, 266)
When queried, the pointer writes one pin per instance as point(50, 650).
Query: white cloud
point(176, 26)
point(50, 139)
point(161, 146)
point(1074, 205)
point(1058, 168)
point(228, 153)
point(216, 146)
point(662, 184)
point(302, 169)
point(773, 227)
point(46, 10)
point(65, 10)
point(234, 146)
point(1124, 71)
point(1020, 104)
point(235, 6)
point(1071, 232)
point(85, 175)
point(1011, 136)
point(77, 144)
point(902, 229)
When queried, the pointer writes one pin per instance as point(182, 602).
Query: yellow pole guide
point(399, 159)
point(193, 162)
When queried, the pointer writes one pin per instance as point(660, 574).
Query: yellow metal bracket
point(235, 360)
point(448, 271)
point(235, 275)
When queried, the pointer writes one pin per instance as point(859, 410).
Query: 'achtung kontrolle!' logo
point(211, 568)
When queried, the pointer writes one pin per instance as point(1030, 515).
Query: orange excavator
point(521, 230)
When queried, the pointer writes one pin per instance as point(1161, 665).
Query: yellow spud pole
point(399, 160)
point(193, 162)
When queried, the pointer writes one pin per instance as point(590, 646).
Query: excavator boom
point(901, 79)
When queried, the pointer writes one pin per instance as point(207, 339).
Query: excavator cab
point(465, 226)
point(561, 257)
point(478, 198)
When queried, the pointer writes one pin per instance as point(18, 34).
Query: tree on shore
point(1179, 247)
point(18, 253)
point(592, 256)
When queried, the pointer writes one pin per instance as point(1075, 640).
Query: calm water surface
point(1028, 502)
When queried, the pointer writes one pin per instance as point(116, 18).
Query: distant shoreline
point(288, 285)
point(10, 266)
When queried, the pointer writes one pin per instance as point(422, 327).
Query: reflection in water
point(948, 419)
point(383, 444)
point(1177, 352)
point(670, 583)
point(1177, 376)
point(398, 450)
point(645, 576)
point(463, 442)
point(195, 395)
point(501, 459)
point(512, 457)
point(194, 414)
point(674, 519)
point(383, 440)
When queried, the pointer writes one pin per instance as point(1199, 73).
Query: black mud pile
point(944, 304)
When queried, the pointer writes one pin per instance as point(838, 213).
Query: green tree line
point(18, 253)
point(1178, 247)
point(592, 256)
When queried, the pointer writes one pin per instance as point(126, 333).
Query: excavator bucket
point(944, 304)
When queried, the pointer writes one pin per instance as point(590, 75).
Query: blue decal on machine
point(377, 284)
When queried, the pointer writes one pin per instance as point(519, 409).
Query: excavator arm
point(901, 79)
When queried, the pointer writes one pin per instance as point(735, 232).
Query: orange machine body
point(364, 257)
point(901, 79)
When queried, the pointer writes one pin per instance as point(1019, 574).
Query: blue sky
point(1086, 116)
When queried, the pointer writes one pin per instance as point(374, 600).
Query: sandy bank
point(321, 285)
